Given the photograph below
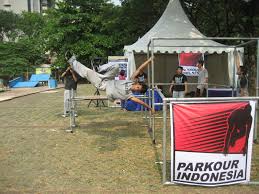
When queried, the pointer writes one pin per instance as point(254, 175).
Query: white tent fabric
point(131, 63)
point(175, 24)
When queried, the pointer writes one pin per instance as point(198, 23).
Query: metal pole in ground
point(149, 91)
point(71, 115)
point(164, 140)
point(153, 89)
point(257, 92)
point(73, 109)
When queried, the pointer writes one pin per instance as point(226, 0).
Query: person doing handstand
point(115, 89)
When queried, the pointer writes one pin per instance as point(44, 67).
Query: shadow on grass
point(108, 133)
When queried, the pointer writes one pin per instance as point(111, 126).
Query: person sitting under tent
point(104, 80)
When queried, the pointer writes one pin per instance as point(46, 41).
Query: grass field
point(110, 151)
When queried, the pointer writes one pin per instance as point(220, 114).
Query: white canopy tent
point(174, 23)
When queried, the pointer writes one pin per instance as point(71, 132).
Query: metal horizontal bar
point(102, 98)
point(198, 46)
point(160, 93)
point(212, 99)
point(252, 183)
point(90, 98)
point(245, 43)
point(142, 97)
point(169, 183)
point(158, 103)
point(155, 117)
point(212, 46)
point(190, 83)
point(165, 84)
point(248, 183)
point(207, 38)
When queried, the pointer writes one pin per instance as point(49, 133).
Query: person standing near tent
point(242, 81)
point(179, 84)
point(70, 79)
point(105, 81)
point(201, 90)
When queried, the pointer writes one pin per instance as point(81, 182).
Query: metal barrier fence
point(74, 100)
point(151, 79)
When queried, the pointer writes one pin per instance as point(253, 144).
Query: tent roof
point(174, 23)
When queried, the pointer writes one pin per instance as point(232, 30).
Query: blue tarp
point(133, 106)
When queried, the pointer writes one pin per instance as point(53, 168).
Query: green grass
point(110, 151)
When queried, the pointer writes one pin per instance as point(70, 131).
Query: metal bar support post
point(164, 140)
point(153, 89)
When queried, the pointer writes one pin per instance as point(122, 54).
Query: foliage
point(8, 22)
point(228, 18)
point(24, 50)
point(138, 16)
point(79, 26)
point(31, 24)
point(91, 28)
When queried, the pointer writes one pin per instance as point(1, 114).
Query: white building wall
point(18, 6)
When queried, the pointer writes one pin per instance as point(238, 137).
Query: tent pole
point(153, 89)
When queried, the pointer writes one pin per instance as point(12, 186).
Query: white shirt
point(202, 76)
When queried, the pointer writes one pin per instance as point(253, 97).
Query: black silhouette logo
point(239, 125)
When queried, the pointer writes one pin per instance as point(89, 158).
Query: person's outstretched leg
point(85, 72)
point(109, 71)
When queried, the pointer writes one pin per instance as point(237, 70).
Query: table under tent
point(174, 23)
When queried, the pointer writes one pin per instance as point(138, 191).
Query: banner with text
point(211, 142)
point(188, 61)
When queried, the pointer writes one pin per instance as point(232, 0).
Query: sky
point(116, 2)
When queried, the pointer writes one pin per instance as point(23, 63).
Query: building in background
point(18, 6)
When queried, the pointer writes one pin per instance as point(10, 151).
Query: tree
point(8, 22)
point(31, 24)
point(78, 26)
point(24, 50)
point(228, 18)
point(138, 16)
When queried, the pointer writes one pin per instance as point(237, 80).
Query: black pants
point(198, 93)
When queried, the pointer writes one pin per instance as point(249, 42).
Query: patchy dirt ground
point(110, 151)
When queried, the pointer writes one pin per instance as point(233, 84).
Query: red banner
point(203, 127)
point(188, 61)
point(212, 142)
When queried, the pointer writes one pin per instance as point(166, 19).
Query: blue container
point(53, 83)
